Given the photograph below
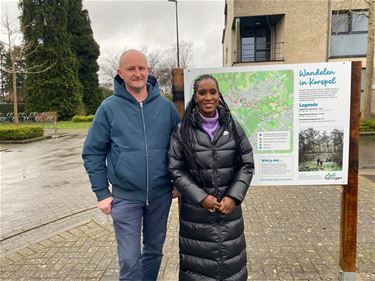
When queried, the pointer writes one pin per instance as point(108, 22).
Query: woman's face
point(207, 97)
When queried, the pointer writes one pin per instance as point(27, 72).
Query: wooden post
point(178, 90)
point(178, 98)
point(349, 196)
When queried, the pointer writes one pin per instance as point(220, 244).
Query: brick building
point(295, 31)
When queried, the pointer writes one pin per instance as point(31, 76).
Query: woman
point(211, 163)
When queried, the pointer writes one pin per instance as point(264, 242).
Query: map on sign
point(262, 101)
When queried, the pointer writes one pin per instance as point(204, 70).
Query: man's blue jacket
point(127, 144)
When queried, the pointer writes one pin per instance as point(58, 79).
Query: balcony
point(260, 52)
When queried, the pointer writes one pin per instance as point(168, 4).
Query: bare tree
point(164, 70)
point(161, 63)
point(108, 63)
point(154, 57)
point(185, 51)
point(17, 52)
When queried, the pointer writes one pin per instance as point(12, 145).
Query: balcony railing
point(261, 52)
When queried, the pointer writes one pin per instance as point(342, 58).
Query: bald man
point(126, 147)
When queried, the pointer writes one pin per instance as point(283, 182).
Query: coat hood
point(152, 89)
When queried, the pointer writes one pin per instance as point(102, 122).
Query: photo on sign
point(320, 149)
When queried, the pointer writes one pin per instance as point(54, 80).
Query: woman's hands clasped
point(210, 203)
point(225, 206)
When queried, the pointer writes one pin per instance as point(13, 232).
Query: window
point(349, 22)
point(349, 33)
point(256, 43)
point(360, 21)
point(340, 23)
point(255, 39)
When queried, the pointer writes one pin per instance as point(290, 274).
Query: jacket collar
point(197, 119)
point(152, 89)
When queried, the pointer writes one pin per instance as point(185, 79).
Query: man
point(127, 145)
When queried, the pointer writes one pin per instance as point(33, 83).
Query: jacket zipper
point(213, 151)
point(220, 251)
point(213, 142)
point(146, 150)
point(219, 223)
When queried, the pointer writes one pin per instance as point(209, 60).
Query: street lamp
point(178, 47)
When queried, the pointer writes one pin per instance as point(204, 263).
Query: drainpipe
point(329, 28)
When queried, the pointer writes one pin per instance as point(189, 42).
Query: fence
point(23, 117)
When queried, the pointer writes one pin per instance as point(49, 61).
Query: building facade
point(295, 31)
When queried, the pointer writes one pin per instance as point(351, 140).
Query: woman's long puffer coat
point(212, 245)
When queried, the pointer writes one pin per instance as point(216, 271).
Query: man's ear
point(119, 73)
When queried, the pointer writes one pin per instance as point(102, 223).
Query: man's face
point(134, 71)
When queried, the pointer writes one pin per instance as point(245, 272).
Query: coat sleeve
point(178, 170)
point(94, 154)
point(245, 169)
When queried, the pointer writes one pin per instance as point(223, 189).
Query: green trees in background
point(44, 24)
point(60, 34)
point(86, 50)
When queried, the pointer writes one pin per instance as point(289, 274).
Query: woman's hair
point(187, 123)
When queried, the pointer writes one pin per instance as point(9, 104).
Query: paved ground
point(51, 230)
point(367, 151)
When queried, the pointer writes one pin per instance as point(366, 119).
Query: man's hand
point(210, 203)
point(105, 205)
point(227, 205)
point(175, 193)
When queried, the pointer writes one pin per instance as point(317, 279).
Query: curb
point(26, 140)
point(362, 134)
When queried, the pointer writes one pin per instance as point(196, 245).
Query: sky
point(152, 23)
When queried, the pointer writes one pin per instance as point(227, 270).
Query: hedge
point(10, 132)
point(367, 126)
point(80, 118)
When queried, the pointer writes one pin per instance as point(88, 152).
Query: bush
point(367, 126)
point(20, 133)
point(8, 107)
point(106, 92)
point(79, 118)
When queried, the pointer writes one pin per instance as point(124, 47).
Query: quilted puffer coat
point(212, 245)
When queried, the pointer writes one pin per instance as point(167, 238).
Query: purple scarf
point(210, 125)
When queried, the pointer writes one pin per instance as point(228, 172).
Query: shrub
point(20, 133)
point(106, 92)
point(8, 107)
point(367, 126)
point(79, 118)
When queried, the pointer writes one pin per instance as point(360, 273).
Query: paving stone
point(257, 275)
point(305, 275)
point(292, 232)
point(15, 257)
